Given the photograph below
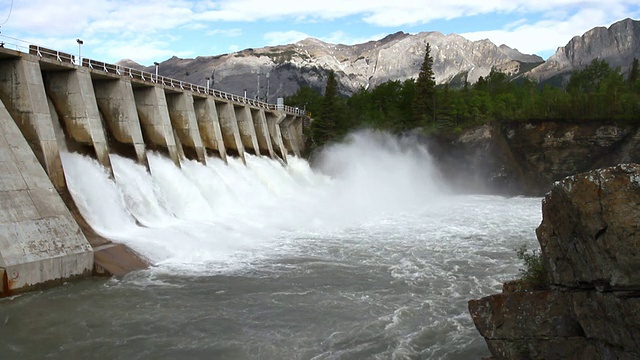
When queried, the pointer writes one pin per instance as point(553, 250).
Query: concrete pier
point(117, 104)
point(288, 128)
point(75, 102)
point(209, 126)
point(22, 90)
point(151, 104)
point(230, 128)
point(274, 119)
point(183, 119)
point(247, 130)
point(262, 132)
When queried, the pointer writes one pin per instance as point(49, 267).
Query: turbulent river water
point(369, 255)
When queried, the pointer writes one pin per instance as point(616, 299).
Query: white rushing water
point(370, 246)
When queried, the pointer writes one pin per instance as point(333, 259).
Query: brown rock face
point(591, 249)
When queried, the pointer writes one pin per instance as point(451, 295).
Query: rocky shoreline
point(590, 247)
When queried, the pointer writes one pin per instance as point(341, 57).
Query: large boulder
point(591, 251)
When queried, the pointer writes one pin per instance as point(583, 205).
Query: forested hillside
point(596, 92)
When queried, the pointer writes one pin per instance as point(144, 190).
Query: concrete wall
point(247, 130)
point(273, 122)
point(262, 132)
point(40, 241)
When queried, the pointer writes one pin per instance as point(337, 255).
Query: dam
point(53, 102)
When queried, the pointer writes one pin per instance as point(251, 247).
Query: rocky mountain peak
point(617, 45)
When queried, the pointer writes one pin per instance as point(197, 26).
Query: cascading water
point(368, 255)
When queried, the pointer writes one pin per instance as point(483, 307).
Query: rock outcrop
point(590, 243)
point(617, 45)
point(526, 158)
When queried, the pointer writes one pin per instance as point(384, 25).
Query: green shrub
point(534, 274)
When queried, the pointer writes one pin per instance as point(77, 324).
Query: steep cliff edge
point(526, 158)
point(591, 250)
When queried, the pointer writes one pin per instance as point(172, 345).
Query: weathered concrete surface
point(117, 260)
point(116, 102)
point(209, 126)
point(183, 119)
point(40, 241)
point(75, 102)
point(591, 250)
point(151, 105)
point(22, 91)
point(288, 128)
point(262, 132)
point(229, 127)
point(247, 130)
point(273, 122)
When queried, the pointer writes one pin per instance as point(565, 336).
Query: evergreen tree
point(324, 127)
point(423, 105)
point(634, 73)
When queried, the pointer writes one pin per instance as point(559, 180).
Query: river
point(367, 255)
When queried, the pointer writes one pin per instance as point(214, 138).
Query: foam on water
point(368, 245)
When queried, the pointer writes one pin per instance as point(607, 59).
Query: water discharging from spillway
point(368, 255)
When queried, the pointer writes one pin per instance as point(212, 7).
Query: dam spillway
point(49, 104)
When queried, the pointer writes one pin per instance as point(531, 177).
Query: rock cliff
point(525, 158)
point(617, 45)
point(591, 250)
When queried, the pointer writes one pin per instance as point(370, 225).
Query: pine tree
point(324, 126)
point(423, 105)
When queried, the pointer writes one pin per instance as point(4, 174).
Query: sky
point(155, 30)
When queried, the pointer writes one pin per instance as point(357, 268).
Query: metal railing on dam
point(49, 103)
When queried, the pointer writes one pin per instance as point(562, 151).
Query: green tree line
point(597, 92)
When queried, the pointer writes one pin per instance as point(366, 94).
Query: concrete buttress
point(117, 104)
point(229, 127)
point(247, 130)
point(273, 122)
point(209, 126)
point(151, 105)
point(22, 91)
point(183, 119)
point(75, 101)
point(262, 132)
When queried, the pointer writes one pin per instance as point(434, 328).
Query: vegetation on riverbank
point(595, 92)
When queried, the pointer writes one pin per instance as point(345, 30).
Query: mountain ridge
point(276, 71)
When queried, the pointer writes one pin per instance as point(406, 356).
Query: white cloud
point(284, 37)
point(225, 32)
point(545, 36)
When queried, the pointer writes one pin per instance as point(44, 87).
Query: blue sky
point(154, 30)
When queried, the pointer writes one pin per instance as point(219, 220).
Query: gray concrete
point(229, 127)
point(75, 101)
point(117, 104)
point(183, 119)
point(151, 105)
point(22, 90)
point(40, 241)
point(262, 132)
point(273, 122)
point(247, 130)
point(209, 126)
point(288, 129)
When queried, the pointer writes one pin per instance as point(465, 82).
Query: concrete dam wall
point(48, 104)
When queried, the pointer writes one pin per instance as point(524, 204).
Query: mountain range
point(276, 71)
